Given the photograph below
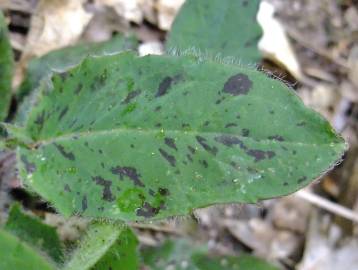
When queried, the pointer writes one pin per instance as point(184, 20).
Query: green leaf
point(243, 262)
point(35, 233)
point(15, 254)
point(106, 246)
point(12, 136)
point(62, 59)
point(181, 254)
point(6, 69)
point(224, 27)
point(135, 138)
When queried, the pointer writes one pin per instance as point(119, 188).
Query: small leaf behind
point(15, 254)
point(224, 27)
point(35, 233)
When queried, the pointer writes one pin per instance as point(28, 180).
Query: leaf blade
point(110, 158)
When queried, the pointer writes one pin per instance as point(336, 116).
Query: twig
point(328, 205)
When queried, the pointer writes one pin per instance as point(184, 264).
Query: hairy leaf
point(62, 59)
point(134, 138)
point(15, 254)
point(182, 254)
point(6, 69)
point(34, 232)
point(106, 246)
point(224, 27)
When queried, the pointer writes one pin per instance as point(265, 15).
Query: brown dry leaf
point(349, 91)
point(322, 98)
point(353, 66)
point(129, 10)
point(104, 23)
point(330, 186)
point(149, 12)
point(323, 250)
point(351, 17)
point(274, 43)
point(264, 239)
point(291, 213)
point(159, 12)
point(55, 24)
point(167, 10)
point(18, 41)
point(68, 229)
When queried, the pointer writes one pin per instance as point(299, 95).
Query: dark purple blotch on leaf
point(239, 84)
point(229, 125)
point(131, 96)
point(130, 172)
point(230, 141)
point(260, 154)
point(171, 159)
point(277, 138)
point(245, 132)
point(62, 113)
point(107, 193)
point(164, 86)
point(67, 188)
point(211, 149)
point(149, 211)
point(191, 149)
point(171, 143)
point(61, 149)
point(84, 203)
point(164, 191)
